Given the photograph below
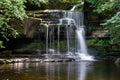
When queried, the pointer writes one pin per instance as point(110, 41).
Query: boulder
point(117, 61)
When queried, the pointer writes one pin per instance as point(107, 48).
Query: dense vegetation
point(10, 9)
point(110, 8)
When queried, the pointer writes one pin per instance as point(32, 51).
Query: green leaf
point(1, 44)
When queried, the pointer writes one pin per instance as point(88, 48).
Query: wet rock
point(57, 60)
point(48, 60)
point(117, 61)
point(68, 60)
point(5, 61)
point(1, 62)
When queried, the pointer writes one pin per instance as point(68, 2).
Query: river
point(96, 70)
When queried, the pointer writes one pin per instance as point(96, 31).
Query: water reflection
point(17, 66)
point(60, 71)
point(71, 70)
point(55, 71)
point(83, 71)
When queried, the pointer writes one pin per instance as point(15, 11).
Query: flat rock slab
point(17, 60)
point(57, 60)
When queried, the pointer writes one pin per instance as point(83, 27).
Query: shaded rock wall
point(35, 23)
point(39, 19)
point(30, 26)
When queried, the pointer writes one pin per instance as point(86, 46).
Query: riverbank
point(36, 58)
point(22, 60)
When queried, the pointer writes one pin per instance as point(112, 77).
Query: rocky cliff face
point(38, 20)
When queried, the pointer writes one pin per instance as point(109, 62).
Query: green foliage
point(97, 42)
point(12, 8)
point(71, 1)
point(100, 44)
point(9, 9)
point(32, 45)
point(38, 2)
point(6, 31)
point(1, 44)
point(113, 25)
point(91, 29)
point(101, 6)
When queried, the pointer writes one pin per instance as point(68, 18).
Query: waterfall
point(47, 39)
point(76, 17)
point(81, 41)
point(73, 8)
point(58, 34)
point(72, 22)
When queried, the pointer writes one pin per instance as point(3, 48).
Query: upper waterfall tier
point(53, 16)
point(76, 16)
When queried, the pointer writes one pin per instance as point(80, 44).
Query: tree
point(112, 24)
point(10, 9)
point(101, 6)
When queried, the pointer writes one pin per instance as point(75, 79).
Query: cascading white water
point(81, 41)
point(73, 24)
point(77, 18)
point(73, 8)
point(82, 48)
point(68, 39)
point(47, 40)
point(58, 34)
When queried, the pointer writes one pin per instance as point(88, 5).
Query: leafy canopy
point(112, 24)
point(38, 2)
point(10, 9)
point(101, 6)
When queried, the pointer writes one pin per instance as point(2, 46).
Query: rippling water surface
point(60, 71)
